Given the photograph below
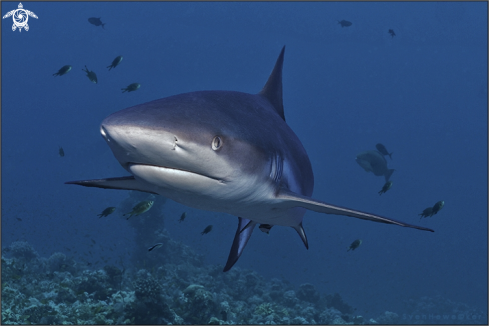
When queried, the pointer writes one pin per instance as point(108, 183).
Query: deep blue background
point(423, 94)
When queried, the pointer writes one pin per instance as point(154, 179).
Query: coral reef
point(440, 310)
point(22, 251)
point(181, 290)
point(335, 301)
point(308, 293)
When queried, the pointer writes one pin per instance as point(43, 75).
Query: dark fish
point(19, 219)
point(427, 212)
point(131, 88)
point(64, 70)
point(207, 230)
point(96, 21)
point(265, 228)
point(107, 211)
point(439, 205)
point(392, 32)
point(155, 246)
point(374, 161)
point(344, 23)
point(355, 244)
point(386, 187)
point(61, 152)
point(115, 62)
point(381, 148)
point(91, 75)
point(182, 217)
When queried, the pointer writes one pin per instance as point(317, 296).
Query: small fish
point(131, 88)
point(93, 241)
point(392, 32)
point(386, 187)
point(140, 208)
point(91, 75)
point(182, 217)
point(427, 212)
point(344, 23)
point(61, 152)
point(265, 228)
point(381, 148)
point(355, 244)
point(107, 212)
point(19, 219)
point(155, 246)
point(115, 62)
point(207, 230)
point(96, 21)
point(439, 205)
point(64, 70)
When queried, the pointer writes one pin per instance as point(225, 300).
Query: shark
point(222, 151)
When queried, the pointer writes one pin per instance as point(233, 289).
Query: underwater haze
point(420, 90)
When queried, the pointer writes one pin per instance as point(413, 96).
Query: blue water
point(422, 93)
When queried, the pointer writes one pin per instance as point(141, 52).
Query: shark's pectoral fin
point(291, 199)
point(243, 234)
point(302, 234)
point(124, 183)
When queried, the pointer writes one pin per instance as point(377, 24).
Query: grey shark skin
point(221, 151)
point(375, 162)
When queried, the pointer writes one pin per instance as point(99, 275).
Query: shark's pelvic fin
point(273, 88)
point(124, 183)
point(302, 234)
point(291, 199)
point(250, 223)
point(243, 234)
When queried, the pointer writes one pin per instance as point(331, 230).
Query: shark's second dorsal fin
point(273, 88)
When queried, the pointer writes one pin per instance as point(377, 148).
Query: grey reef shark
point(221, 151)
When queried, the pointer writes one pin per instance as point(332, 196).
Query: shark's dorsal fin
point(272, 90)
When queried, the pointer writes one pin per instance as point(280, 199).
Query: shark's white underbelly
point(247, 199)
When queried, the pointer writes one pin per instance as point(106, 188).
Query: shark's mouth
point(140, 169)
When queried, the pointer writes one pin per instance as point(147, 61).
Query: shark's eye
point(216, 143)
